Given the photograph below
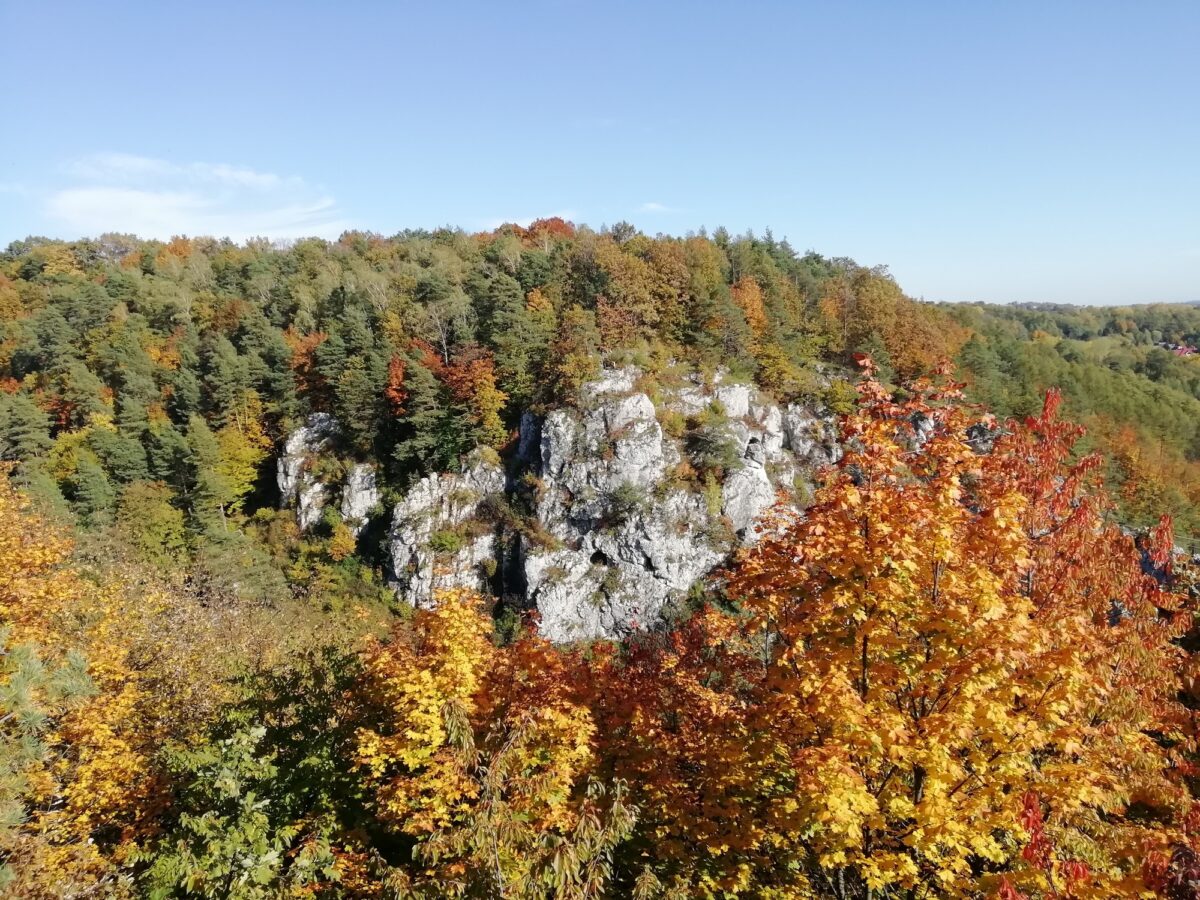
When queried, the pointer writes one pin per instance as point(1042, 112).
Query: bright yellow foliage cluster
point(97, 773)
point(481, 754)
point(99, 791)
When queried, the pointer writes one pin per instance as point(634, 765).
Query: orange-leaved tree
point(677, 722)
point(749, 298)
point(471, 377)
point(946, 632)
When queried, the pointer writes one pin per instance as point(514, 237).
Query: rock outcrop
point(438, 540)
point(298, 484)
point(602, 523)
point(628, 541)
point(304, 485)
point(360, 495)
point(811, 437)
point(633, 537)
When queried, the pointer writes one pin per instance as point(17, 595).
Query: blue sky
point(982, 150)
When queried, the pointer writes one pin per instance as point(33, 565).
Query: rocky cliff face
point(439, 539)
point(295, 476)
point(602, 522)
point(360, 495)
point(304, 486)
point(634, 535)
point(628, 541)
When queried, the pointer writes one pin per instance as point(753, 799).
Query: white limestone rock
point(612, 381)
point(812, 437)
point(588, 456)
point(690, 400)
point(735, 398)
point(922, 430)
point(634, 409)
point(622, 579)
point(746, 494)
point(444, 505)
point(606, 579)
point(360, 495)
point(769, 421)
point(294, 470)
point(621, 546)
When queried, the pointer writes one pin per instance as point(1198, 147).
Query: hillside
point(548, 562)
point(149, 387)
point(1131, 374)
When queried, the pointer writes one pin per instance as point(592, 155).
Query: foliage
point(711, 444)
point(481, 755)
point(33, 700)
point(947, 644)
point(230, 850)
point(626, 501)
point(446, 541)
point(954, 676)
point(152, 525)
point(1127, 372)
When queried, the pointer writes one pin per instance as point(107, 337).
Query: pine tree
point(431, 436)
point(227, 381)
point(211, 493)
point(123, 454)
point(77, 395)
point(522, 332)
point(24, 428)
point(32, 697)
point(168, 455)
point(91, 492)
point(186, 393)
point(357, 401)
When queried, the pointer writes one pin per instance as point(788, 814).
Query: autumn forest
point(955, 659)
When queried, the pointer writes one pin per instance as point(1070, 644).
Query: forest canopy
point(960, 673)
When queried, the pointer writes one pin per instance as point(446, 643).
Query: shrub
point(712, 495)
point(710, 444)
point(488, 455)
point(841, 397)
point(626, 501)
point(673, 422)
point(803, 490)
point(446, 541)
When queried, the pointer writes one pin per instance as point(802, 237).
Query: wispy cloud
point(652, 207)
point(158, 198)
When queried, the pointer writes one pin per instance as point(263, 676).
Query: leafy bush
point(626, 501)
point(841, 397)
point(710, 442)
point(673, 422)
point(446, 541)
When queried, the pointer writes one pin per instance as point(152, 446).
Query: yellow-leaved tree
point(242, 448)
point(483, 758)
point(947, 635)
point(91, 790)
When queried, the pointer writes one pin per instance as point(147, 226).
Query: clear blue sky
point(998, 151)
